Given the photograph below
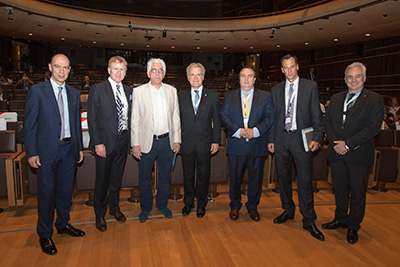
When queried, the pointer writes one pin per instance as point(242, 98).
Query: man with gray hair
point(155, 134)
point(352, 120)
point(201, 135)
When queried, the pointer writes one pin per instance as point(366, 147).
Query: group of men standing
point(157, 123)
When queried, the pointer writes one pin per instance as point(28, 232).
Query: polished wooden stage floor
point(214, 240)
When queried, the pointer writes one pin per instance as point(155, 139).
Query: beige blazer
point(142, 119)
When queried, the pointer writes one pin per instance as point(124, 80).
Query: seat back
point(8, 143)
point(384, 138)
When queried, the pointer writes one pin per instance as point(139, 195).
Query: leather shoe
point(234, 214)
point(254, 215)
point(186, 210)
point(101, 224)
point(200, 212)
point(352, 236)
point(283, 218)
point(48, 246)
point(70, 230)
point(333, 225)
point(315, 232)
point(119, 216)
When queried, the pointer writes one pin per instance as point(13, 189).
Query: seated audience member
point(232, 73)
point(2, 98)
point(4, 80)
point(30, 70)
point(227, 86)
point(394, 108)
point(46, 76)
point(24, 83)
point(86, 83)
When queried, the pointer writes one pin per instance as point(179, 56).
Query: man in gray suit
point(296, 107)
point(109, 106)
point(156, 133)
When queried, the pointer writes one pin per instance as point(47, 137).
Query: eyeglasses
point(58, 67)
point(157, 70)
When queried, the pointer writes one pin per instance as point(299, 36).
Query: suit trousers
point(196, 173)
point(160, 150)
point(109, 171)
point(255, 170)
point(54, 190)
point(350, 183)
point(291, 149)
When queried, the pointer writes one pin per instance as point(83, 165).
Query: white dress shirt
point(159, 110)
point(294, 100)
point(65, 101)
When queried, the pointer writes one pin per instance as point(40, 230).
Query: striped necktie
point(119, 108)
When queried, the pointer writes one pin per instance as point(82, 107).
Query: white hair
point(156, 61)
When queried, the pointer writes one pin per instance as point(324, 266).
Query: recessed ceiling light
point(197, 39)
point(320, 29)
point(40, 25)
point(173, 47)
point(94, 42)
point(122, 44)
point(251, 47)
point(198, 48)
point(385, 16)
point(271, 37)
point(62, 38)
point(306, 43)
point(221, 39)
point(245, 38)
point(225, 47)
point(336, 39)
point(148, 46)
point(367, 34)
point(97, 33)
point(68, 30)
point(349, 24)
point(173, 39)
point(124, 35)
point(278, 45)
point(30, 34)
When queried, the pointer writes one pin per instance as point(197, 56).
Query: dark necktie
point(196, 101)
point(119, 108)
point(60, 102)
point(289, 113)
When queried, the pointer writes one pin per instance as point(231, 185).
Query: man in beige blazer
point(155, 133)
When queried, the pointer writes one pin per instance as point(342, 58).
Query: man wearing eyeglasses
point(247, 114)
point(155, 134)
point(109, 109)
point(53, 144)
point(352, 120)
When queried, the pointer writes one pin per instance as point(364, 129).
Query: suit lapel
point(50, 93)
point(238, 103)
point(359, 103)
point(254, 105)
point(203, 100)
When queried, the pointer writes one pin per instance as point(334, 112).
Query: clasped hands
point(247, 133)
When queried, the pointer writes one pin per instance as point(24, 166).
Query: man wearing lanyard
point(109, 106)
point(352, 120)
point(53, 144)
point(297, 107)
point(247, 114)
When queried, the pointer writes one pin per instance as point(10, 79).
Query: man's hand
point(100, 150)
point(214, 148)
point(80, 157)
point(314, 146)
point(137, 152)
point(271, 147)
point(249, 133)
point(34, 162)
point(176, 147)
point(242, 132)
point(340, 147)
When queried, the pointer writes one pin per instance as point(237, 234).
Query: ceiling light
point(278, 45)
point(122, 44)
point(336, 39)
point(320, 29)
point(306, 43)
point(251, 47)
point(124, 35)
point(30, 34)
point(62, 38)
point(367, 34)
point(349, 24)
point(225, 47)
point(148, 46)
point(198, 48)
point(94, 42)
point(173, 47)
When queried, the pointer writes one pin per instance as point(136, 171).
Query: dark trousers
point(54, 190)
point(292, 149)
point(255, 170)
point(160, 150)
point(109, 171)
point(350, 183)
point(196, 173)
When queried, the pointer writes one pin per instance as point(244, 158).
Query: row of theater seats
point(17, 180)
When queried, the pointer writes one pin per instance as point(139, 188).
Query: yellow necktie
point(246, 109)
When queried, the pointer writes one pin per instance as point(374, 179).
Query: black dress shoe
point(48, 246)
point(186, 210)
point(254, 215)
point(101, 224)
point(234, 214)
point(334, 225)
point(70, 230)
point(283, 218)
point(200, 212)
point(352, 236)
point(315, 232)
point(118, 215)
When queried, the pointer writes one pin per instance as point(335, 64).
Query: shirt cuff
point(256, 132)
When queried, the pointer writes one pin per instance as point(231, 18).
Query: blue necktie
point(119, 108)
point(196, 101)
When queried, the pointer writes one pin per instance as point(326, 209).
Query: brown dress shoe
point(101, 224)
point(119, 216)
point(234, 214)
point(254, 215)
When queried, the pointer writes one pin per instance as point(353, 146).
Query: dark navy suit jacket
point(42, 124)
point(262, 116)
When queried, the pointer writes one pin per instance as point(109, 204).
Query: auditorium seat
point(176, 179)
point(387, 162)
point(218, 172)
point(85, 176)
point(130, 179)
point(17, 126)
point(320, 166)
point(3, 106)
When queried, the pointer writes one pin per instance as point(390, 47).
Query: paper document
point(308, 135)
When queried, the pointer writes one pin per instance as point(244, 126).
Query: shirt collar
point(248, 93)
point(295, 83)
point(200, 89)
point(113, 83)
point(56, 85)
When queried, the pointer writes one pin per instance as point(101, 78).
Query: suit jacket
point(102, 115)
point(201, 130)
point(142, 129)
point(363, 122)
point(308, 112)
point(261, 116)
point(42, 124)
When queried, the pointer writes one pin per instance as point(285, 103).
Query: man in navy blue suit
point(53, 144)
point(247, 114)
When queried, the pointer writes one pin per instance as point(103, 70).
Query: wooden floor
point(214, 240)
